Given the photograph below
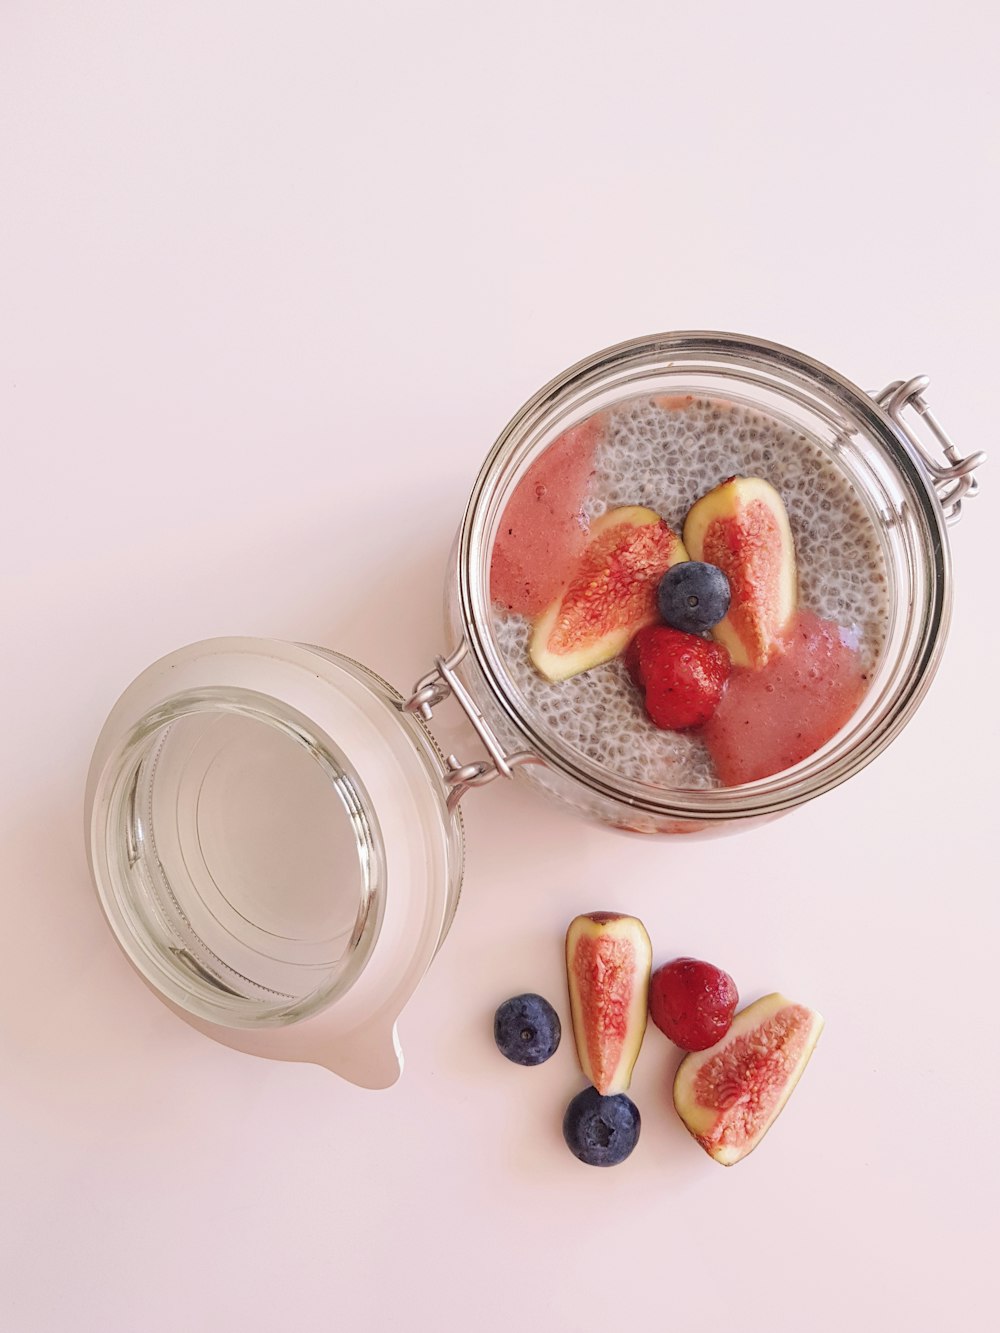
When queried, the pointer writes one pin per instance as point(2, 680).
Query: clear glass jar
point(274, 845)
point(908, 496)
point(273, 833)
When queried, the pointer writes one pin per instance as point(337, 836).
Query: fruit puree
point(769, 720)
point(666, 454)
point(544, 526)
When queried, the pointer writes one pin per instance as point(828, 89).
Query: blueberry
point(527, 1029)
point(693, 596)
point(601, 1131)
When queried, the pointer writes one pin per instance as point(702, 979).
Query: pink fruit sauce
point(770, 719)
point(544, 527)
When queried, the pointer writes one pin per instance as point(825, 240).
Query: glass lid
point(253, 807)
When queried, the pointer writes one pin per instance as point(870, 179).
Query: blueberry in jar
point(693, 596)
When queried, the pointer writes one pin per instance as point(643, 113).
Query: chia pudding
point(664, 454)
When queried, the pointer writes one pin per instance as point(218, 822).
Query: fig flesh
point(742, 527)
point(608, 962)
point(611, 595)
point(729, 1095)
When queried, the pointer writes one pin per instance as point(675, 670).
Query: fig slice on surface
point(730, 1095)
point(611, 595)
point(742, 527)
point(608, 962)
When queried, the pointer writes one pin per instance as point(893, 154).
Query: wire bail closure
point(954, 482)
point(432, 690)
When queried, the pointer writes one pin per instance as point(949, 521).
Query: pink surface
point(272, 278)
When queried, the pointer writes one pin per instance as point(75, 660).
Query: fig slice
point(608, 962)
point(742, 527)
point(611, 595)
point(730, 1095)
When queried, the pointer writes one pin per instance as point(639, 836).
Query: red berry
point(692, 1002)
point(683, 675)
point(632, 659)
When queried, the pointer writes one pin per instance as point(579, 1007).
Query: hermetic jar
point(275, 835)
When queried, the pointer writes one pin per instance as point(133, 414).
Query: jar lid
point(270, 837)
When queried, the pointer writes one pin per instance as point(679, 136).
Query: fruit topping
point(527, 1029)
point(601, 1131)
point(774, 718)
point(610, 595)
point(729, 1095)
point(608, 960)
point(692, 1002)
point(693, 596)
point(674, 402)
point(683, 675)
point(742, 527)
point(543, 529)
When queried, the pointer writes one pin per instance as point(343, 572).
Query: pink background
point(272, 277)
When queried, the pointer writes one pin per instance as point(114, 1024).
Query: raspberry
point(632, 659)
point(683, 675)
point(692, 1002)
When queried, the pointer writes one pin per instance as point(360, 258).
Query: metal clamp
point(433, 689)
point(953, 482)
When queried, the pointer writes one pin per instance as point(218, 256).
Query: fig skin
point(742, 527)
point(714, 1092)
point(612, 593)
point(608, 964)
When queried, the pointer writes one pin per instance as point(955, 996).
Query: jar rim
point(374, 759)
point(786, 371)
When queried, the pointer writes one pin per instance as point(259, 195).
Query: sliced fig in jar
point(742, 527)
point(682, 676)
point(730, 1095)
point(608, 962)
point(611, 595)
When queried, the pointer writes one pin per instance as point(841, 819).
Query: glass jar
point(276, 848)
point(909, 496)
point(275, 836)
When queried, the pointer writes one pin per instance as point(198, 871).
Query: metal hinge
point(433, 689)
point(954, 482)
